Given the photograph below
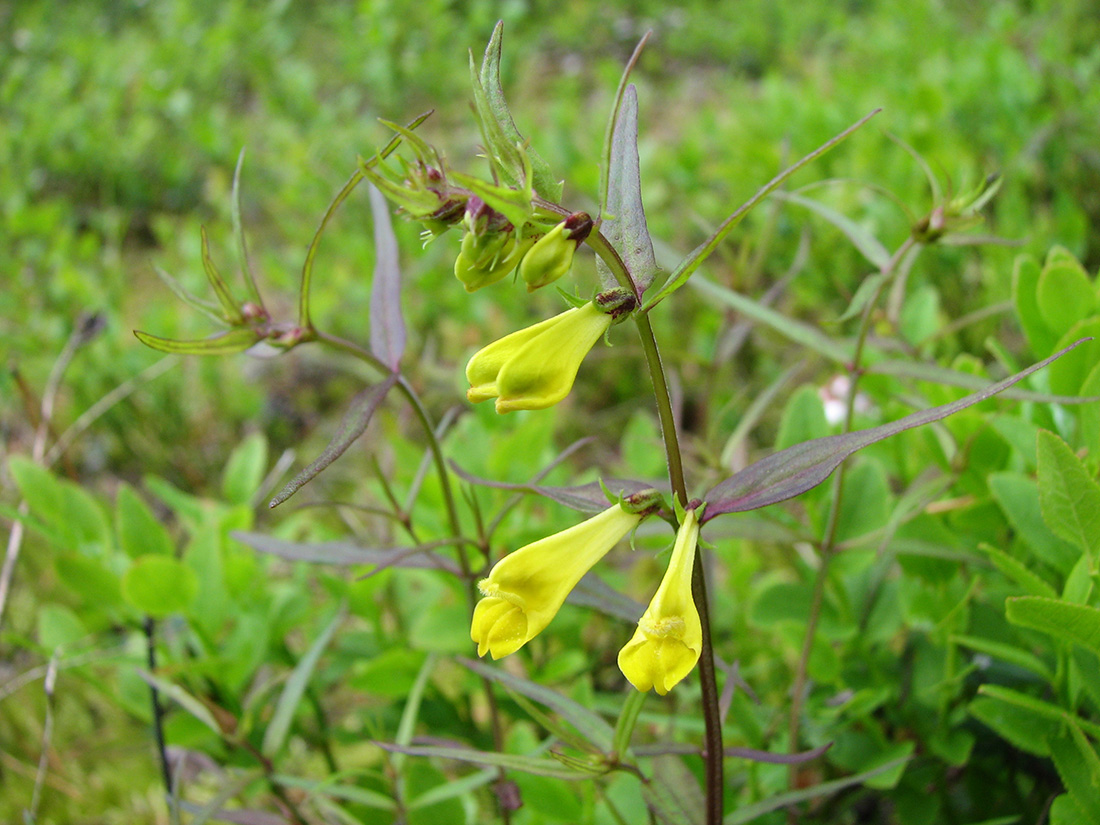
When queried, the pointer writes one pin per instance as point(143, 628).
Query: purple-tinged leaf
point(586, 498)
point(954, 378)
point(624, 222)
point(346, 554)
point(237, 816)
point(235, 340)
point(527, 764)
point(353, 425)
point(590, 724)
point(594, 593)
point(797, 469)
point(387, 325)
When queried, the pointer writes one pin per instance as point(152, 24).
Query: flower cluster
point(524, 591)
point(515, 224)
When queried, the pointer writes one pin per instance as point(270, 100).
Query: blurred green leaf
point(1069, 495)
point(1074, 623)
point(159, 585)
point(139, 531)
point(244, 471)
point(278, 728)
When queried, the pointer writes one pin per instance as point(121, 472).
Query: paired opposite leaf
point(797, 469)
point(387, 326)
point(624, 223)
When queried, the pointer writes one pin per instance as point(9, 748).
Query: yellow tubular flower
point(535, 367)
point(527, 587)
point(669, 638)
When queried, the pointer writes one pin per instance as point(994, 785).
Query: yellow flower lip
point(534, 368)
point(669, 637)
point(526, 588)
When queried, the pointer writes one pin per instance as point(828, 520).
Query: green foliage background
point(122, 122)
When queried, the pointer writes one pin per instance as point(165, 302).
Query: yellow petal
point(541, 372)
point(669, 638)
point(525, 589)
point(483, 368)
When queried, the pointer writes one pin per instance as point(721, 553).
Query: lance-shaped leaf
point(235, 340)
point(387, 325)
point(489, 79)
point(868, 245)
point(797, 469)
point(624, 222)
point(527, 764)
point(353, 425)
point(230, 309)
point(588, 723)
point(345, 553)
point(697, 256)
point(585, 498)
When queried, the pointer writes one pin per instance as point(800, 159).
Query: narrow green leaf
point(1007, 653)
point(1069, 495)
point(628, 717)
point(332, 788)
point(205, 307)
point(230, 311)
point(453, 788)
point(182, 698)
point(790, 472)
point(347, 553)
point(1032, 584)
point(747, 813)
point(489, 77)
point(867, 244)
point(235, 340)
point(591, 724)
point(804, 334)
point(159, 585)
point(527, 764)
point(1022, 728)
point(1037, 706)
point(1074, 623)
point(407, 725)
point(699, 255)
point(279, 727)
point(624, 223)
point(238, 233)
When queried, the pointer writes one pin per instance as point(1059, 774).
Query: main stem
point(712, 714)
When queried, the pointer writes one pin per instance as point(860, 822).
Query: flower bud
point(475, 277)
point(552, 255)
